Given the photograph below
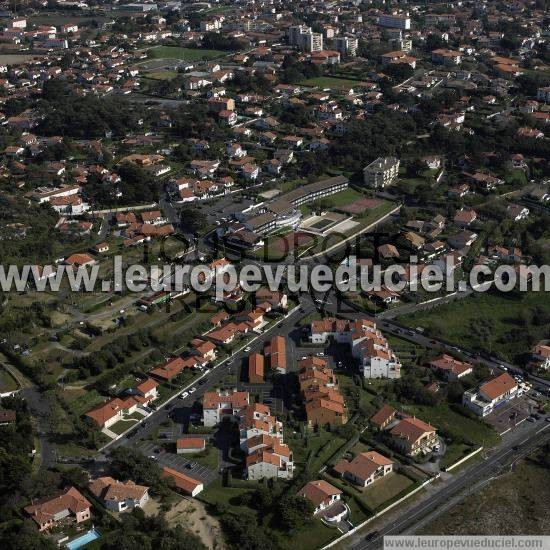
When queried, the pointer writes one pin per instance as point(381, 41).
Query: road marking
point(542, 429)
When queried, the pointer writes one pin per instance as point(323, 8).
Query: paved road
point(180, 408)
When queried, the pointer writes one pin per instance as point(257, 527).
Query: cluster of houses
point(71, 506)
point(274, 353)
point(260, 433)
point(368, 345)
point(324, 404)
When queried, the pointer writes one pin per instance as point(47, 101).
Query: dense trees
point(69, 114)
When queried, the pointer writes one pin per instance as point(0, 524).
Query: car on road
point(372, 535)
point(193, 390)
point(503, 367)
point(320, 354)
point(184, 395)
point(247, 349)
point(530, 419)
point(153, 457)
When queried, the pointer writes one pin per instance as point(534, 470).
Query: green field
point(346, 197)
point(518, 502)
point(7, 382)
point(331, 82)
point(161, 75)
point(486, 321)
point(185, 54)
point(121, 426)
point(385, 489)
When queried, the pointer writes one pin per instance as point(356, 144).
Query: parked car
point(247, 349)
point(184, 395)
point(193, 390)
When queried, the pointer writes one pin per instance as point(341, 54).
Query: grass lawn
point(315, 535)
point(384, 489)
point(345, 197)
point(209, 457)
point(121, 426)
point(7, 382)
point(187, 54)
point(215, 493)
point(313, 450)
point(161, 75)
point(458, 321)
point(330, 82)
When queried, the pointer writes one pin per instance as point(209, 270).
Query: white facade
point(395, 21)
point(381, 172)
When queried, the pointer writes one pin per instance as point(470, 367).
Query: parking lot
point(511, 414)
point(178, 462)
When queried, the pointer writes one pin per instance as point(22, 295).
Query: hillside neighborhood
point(182, 408)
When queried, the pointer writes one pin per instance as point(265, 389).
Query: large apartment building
point(324, 404)
point(368, 345)
point(219, 405)
point(381, 172)
point(395, 21)
point(305, 39)
point(346, 45)
point(261, 438)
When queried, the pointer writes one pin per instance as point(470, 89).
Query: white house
point(118, 496)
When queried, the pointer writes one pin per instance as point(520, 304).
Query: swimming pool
point(83, 540)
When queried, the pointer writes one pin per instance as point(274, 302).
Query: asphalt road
point(182, 407)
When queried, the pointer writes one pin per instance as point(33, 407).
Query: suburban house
point(219, 405)
point(118, 496)
point(412, 436)
point(490, 395)
point(50, 511)
point(187, 445)
point(320, 493)
point(147, 390)
point(183, 482)
point(111, 412)
point(365, 468)
point(172, 368)
point(383, 417)
point(540, 356)
point(451, 368)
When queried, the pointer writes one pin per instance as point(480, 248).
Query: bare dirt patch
point(192, 515)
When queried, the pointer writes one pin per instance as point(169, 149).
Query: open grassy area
point(121, 426)
point(161, 75)
point(518, 502)
point(314, 449)
point(345, 197)
point(315, 535)
point(385, 489)
point(209, 457)
point(486, 321)
point(215, 493)
point(185, 54)
point(331, 82)
point(7, 381)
